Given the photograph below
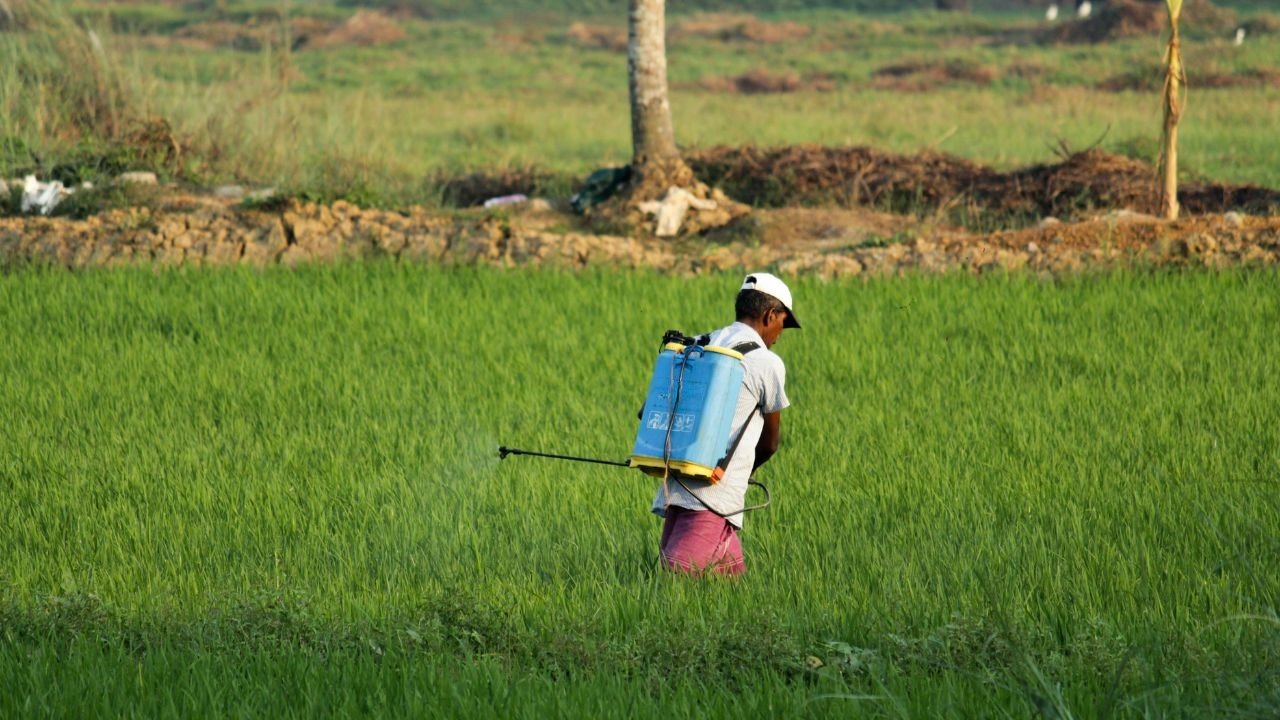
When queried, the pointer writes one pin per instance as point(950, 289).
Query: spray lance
point(687, 419)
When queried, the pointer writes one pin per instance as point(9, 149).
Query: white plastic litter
point(505, 200)
point(41, 197)
point(672, 208)
point(137, 177)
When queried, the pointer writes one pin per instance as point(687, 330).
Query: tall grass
point(991, 494)
point(59, 79)
point(80, 103)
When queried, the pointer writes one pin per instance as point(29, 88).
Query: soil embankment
point(832, 243)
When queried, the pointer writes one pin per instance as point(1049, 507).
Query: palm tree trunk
point(656, 161)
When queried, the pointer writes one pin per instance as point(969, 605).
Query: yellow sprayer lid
point(677, 347)
point(724, 351)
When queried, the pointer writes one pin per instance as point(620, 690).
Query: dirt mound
point(926, 75)
point(716, 26)
point(1082, 182)
point(473, 189)
point(204, 232)
point(1151, 79)
point(1264, 24)
point(933, 182)
point(600, 37)
point(365, 28)
point(809, 175)
point(1119, 19)
point(761, 81)
point(226, 34)
point(1253, 77)
point(734, 27)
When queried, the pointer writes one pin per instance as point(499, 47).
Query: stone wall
point(210, 234)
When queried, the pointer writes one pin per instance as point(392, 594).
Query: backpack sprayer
point(687, 419)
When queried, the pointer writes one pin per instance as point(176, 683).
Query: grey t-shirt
point(763, 385)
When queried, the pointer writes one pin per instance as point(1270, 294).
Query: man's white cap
point(771, 285)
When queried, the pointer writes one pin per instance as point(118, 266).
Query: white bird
point(1239, 37)
point(1052, 13)
point(1083, 9)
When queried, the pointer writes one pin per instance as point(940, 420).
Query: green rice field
point(238, 493)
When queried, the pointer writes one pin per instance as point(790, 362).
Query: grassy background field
point(479, 91)
point(235, 491)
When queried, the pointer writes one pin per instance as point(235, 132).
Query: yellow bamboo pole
point(1173, 100)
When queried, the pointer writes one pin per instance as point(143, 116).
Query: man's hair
point(752, 304)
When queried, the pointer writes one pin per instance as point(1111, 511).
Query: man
point(701, 520)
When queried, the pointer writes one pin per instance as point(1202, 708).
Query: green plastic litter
point(600, 186)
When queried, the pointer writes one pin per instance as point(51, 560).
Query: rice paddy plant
point(276, 491)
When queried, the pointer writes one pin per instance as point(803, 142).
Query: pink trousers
point(697, 541)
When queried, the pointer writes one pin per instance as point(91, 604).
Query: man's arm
point(769, 438)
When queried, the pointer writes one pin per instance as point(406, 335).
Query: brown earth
point(725, 27)
point(760, 81)
point(1084, 182)
point(601, 37)
point(1118, 19)
point(1081, 184)
point(1151, 78)
point(1263, 24)
point(1101, 196)
point(364, 28)
point(738, 27)
point(926, 75)
point(196, 231)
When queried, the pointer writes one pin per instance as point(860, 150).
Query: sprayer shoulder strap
point(745, 347)
point(734, 445)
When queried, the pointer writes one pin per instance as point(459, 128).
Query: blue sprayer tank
point(705, 382)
